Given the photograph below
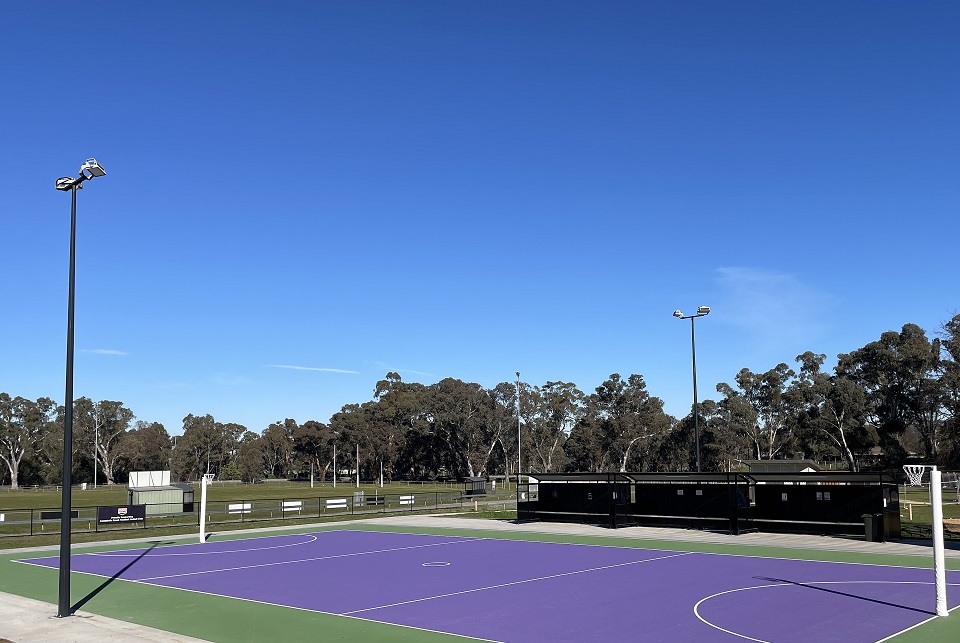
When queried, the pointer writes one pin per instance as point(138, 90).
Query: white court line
point(696, 607)
point(200, 553)
point(518, 582)
point(307, 560)
point(283, 605)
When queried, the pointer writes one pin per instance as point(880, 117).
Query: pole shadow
point(86, 599)
point(839, 593)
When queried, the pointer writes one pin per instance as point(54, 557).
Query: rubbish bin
point(873, 528)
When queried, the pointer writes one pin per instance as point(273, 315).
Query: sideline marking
point(200, 553)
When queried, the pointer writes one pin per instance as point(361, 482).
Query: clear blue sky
point(303, 196)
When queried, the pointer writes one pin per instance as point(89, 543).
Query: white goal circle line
point(207, 552)
point(696, 607)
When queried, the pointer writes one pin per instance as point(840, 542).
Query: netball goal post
point(205, 481)
point(915, 475)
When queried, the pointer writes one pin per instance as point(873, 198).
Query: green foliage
point(899, 395)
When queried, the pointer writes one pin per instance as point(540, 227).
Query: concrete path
point(24, 620)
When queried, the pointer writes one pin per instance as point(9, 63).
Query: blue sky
point(303, 196)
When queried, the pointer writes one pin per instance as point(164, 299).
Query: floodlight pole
point(702, 311)
point(519, 464)
point(88, 170)
point(66, 502)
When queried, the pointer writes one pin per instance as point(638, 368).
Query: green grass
point(265, 511)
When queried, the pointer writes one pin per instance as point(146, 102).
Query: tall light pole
point(702, 311)
point(519, 465)
point(88, 170)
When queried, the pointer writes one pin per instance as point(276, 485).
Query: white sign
point(240, 508)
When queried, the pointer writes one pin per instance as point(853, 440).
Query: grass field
point(49, 498)
point(19, 508)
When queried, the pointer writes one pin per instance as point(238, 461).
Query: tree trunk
point(13, 466)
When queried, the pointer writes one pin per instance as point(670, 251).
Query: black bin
point(873, 527)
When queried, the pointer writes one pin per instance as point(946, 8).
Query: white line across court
point(517, 582)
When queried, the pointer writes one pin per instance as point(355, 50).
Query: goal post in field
point(915, 474)
point(205, 481)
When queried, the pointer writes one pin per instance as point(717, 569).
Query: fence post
point(31, 522)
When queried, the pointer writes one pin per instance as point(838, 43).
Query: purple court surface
point(518, 591)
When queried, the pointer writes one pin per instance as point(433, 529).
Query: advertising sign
point(121, 514)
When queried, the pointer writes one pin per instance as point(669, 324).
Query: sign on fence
point(292, 505)
point(55, 515)
point(121, 514)
point(336, 503)
point(406, 500)
point(240, 508)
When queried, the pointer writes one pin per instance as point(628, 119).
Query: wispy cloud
point(103, 351)
point(312, 368)
point(772, 304)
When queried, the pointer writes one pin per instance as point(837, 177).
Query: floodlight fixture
point(678, 314)
point(703, 310)
point(91, 168)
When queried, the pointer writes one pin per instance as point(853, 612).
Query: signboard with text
point(121, 514)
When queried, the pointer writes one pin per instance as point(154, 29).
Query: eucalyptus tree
point(23, 424)
point(624, 418)
point(558, 407)
point(312, 443)
point(896, 373)
point(353, 428)
point(277, 445)
point(833, 408)
point(147, 447)
point(101, 427)
point(733, 424)
point(771, 403)
point(249, 465)
point(502, 417)
point(398, 417)
point(950, 380)
point(459, 425)
point(199, 450)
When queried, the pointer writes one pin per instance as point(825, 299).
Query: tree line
point(896, 398)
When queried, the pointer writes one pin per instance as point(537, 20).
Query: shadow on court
point(86, 599)
point(839, 593)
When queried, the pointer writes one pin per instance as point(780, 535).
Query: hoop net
point(915, 473)
point(208, 478)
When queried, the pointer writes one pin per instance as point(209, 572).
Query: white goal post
point(205, 481)
point(915, 474)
